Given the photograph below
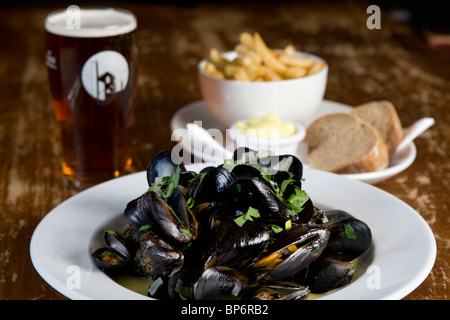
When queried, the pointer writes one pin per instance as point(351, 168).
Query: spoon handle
point(413, 131)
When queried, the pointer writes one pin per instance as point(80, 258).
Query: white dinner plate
point(404, 245)
point(198, 111)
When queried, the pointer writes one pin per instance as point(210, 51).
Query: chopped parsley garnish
point(296, 201)
point(190, 202)
point(145, 227)
point(167, 185)
point(349, 232)
point(248, 216)
point(275, 228)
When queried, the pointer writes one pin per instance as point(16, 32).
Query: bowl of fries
point(254, 80)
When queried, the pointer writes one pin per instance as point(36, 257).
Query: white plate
point(404, 245)
point(198, 111)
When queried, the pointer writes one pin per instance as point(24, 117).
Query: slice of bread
point(383, 116)
point(343, 143)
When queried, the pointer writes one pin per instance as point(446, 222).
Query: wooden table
point(389, 63)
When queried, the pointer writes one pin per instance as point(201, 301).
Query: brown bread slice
point(383, 116)
point(343, 143)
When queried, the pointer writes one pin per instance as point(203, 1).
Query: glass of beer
point(92, 62)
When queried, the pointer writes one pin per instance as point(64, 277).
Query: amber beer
point(91, 58)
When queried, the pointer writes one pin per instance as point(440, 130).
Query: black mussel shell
point(291, 251)
point(185, 216)
point(274, 164)
point(244, 171)
point(277, 290)
point(117, 241)
point(220, 283)
point(174, 222)
point(210, 186)
point(235, 245)
point(138, 211)
point(154, 256)
point(245, 193)
point(187, 178)
point(162, 165)
point(109, 259)
point(349, 237)
point(326, 274)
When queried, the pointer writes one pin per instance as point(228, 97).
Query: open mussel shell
point(326, 274)
point(220, 283)
point(349, 237)
point(277, 290)
point(291, 251)
point(110, 260)
point(162, 165)
point(117, 241)
point(174, 218)
point(154, 256)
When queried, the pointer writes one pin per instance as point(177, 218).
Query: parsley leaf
point(145, 227)
point(173, 183)
point(349, 232)
point(248, 216)
point(275, 228)
point(296, 201)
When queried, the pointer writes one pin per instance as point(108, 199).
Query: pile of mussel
point(242, 230)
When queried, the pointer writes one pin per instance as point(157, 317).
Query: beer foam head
point(90, 23)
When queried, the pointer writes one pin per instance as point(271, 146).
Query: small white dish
point(61, 244)
point(286, 145)
point(233, 100)
point(198, 112)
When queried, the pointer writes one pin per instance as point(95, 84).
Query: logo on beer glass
point(104, 74)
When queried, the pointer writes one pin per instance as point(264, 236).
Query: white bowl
point(232, 100)
point(286, 145)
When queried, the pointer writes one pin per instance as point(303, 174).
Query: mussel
point(234, 245)
point(164, 164)
point(209, 186)
point(173, 218)
point(154, 256)
point(220, 283)
point(326, 274)
point(291, 251)
point(349, 237)
point(245, 193)
point(116, 255)
point(110, 260)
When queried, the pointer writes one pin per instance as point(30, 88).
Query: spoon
point(413, 131)
point(203, 142)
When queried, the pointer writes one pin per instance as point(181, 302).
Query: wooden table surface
point(390, 63)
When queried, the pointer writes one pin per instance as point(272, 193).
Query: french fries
point(257, 62)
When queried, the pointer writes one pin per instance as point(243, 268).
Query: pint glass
point(92, 60)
